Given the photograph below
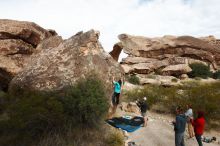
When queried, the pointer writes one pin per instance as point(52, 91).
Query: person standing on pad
point(143, 107)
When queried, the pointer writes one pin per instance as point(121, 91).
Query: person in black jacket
point(143, 107)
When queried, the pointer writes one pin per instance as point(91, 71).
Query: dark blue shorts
point(115, 98)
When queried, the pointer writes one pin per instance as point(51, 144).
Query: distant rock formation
point(117, 48)
point(18, 41)
point(74, 58)
point(168, 55)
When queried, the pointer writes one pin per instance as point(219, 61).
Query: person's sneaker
point(214, 138)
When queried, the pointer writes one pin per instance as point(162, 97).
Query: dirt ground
point(159, 132)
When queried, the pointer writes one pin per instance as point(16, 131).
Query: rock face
point(168, 55)
point(158, 80)
point(176, 70)
point(116, 51)
point(49, 43)
point(74, 58)
point(130, 107)
point(27, 31)
point(18, 42)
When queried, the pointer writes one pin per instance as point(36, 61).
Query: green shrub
point(197, 78)
point(216, 75)
point(28, 118)
point(204, 97)
point(87, 100)
point(79, 136)
point(199, 70)
point(133, 79)
point(31, 115)
point(115, 138)
point(153, 92)
point(174, 80)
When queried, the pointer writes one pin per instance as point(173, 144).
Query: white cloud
point(113, 17)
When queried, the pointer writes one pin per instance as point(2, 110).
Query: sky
point(150, 18)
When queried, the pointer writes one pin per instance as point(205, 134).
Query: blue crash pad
point(129, 125)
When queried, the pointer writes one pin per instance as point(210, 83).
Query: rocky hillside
point(19, 40)
point(166, 56)
point(40, 59)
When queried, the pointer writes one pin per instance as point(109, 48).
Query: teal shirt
point(117, 88)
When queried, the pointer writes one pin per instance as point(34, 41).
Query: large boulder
point(176, 70)
point(29, 32)
point(158, 80)
point(73, 59)
point(168, 55)
point(130, 107)
point(18, 42)
point(10, 47)
point(142, 65)
point(135, 60)
point(143, 47)
point(49, 43)
point(13, 57)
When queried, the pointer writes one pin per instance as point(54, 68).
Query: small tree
point(133, 79)
point(216, 75)
point(199, 70)
point(33, 114)
point(86, 102)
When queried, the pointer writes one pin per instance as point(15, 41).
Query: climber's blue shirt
point(117, 87)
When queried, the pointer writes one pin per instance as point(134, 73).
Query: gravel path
point(159, 132)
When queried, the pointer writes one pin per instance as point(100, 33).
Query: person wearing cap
point(143, 107)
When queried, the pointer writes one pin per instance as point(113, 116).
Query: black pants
point(115, 98)
point(199, 139)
